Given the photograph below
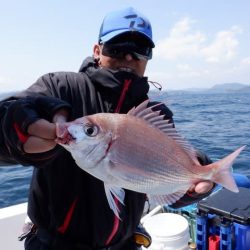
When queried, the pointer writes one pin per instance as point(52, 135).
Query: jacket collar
point(110, 81)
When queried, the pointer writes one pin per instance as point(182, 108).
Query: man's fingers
point(61, 130)
point(61, 116)
point(38, 145)
point(43, 129)
point(191, 189)
point(203, 187)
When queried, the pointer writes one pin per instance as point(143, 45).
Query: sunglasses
point(120, 50)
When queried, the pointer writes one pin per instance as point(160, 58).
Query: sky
point(199, 43)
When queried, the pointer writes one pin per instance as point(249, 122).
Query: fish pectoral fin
point(167, 199)
point(114, 196)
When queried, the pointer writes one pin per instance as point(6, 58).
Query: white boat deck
point(11, 223)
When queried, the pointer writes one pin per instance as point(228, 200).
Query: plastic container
point(189, 212)
point(227, 215)
point(201, 231)
point(214, 242)
point(169, 231)
point(242, 236)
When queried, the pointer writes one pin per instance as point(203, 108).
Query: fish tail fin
point(222, 170)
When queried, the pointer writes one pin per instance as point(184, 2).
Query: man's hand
point(202, 187)
point(41, 137)
point(43, 134)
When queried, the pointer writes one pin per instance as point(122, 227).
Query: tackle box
point(223, 221)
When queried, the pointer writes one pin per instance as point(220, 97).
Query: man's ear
point(97, 51)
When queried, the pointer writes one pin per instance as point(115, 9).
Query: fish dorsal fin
point(156, 120)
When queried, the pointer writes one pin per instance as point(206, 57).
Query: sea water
point(214, 123)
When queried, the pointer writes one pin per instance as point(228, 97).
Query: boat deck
point(11, 223)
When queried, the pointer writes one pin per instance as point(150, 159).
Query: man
point(68, 206)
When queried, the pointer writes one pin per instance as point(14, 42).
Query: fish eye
point(90, 130)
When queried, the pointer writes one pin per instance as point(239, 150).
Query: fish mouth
point(67, 140)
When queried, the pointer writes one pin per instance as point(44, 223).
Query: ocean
point(217, 124)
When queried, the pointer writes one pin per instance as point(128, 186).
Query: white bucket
point(169, 231)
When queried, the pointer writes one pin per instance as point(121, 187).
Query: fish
point(140, 151)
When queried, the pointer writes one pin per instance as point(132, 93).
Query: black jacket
point(59, 189)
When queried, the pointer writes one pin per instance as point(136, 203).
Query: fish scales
point(142, 152)
point(148, 149)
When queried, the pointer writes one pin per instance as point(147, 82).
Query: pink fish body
point(142, 152)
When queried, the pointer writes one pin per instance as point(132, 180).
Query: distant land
point(218, 88)
point(221, 88)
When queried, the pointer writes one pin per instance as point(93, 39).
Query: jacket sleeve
point(164, 110)
point(190, 197)
point(16, 114)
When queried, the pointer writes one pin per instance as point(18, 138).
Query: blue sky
point(198, 43)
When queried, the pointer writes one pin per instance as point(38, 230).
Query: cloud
point(186, 70)
point(246, 60)
point(188, 57)
point(181, 41)
point(223, 48)
point(185, 43)
point(184, 67)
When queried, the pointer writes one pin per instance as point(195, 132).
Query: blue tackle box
point(223, 221)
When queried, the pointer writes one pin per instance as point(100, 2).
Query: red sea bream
point(142, 152)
